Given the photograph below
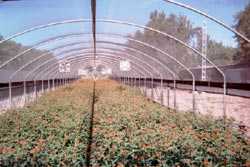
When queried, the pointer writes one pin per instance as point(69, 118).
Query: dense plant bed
point(52, 131)
point(131, 130)
point(128, 130)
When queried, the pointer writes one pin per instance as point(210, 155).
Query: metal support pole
point(139, 82)
point(10, 95)
point(135, 82)
point(193, 97)
point(48, 85)
point(35, 89)
point(168, 97)
point(24, 91)
point(53, 84)
point(145, 91)
point(161, 91)
point(42, 87)
point(152, 91)
point(224, 99)
point(174, 94)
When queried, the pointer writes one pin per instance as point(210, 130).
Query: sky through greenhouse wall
point(163, 34)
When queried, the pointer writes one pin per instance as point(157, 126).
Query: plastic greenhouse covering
point(189, 56)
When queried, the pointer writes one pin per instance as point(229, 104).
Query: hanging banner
point(125, 65)
point(82, 72)
point(64, 66)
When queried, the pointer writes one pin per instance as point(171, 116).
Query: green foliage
point(128, 130)
point(10, 49)
point(242, 25)
point(220, 54)
point(52, 131)
point(181, 28)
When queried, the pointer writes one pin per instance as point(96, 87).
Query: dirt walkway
point(237, 108)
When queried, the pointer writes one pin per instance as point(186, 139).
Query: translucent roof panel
point(186, 40)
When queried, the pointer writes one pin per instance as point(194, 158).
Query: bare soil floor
point(237, 108)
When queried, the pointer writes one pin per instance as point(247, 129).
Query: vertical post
point(139, 82)
point(152, 86)
point(204, 51)
point(224, 98)
point(42, 87)
point(174, 93)
point(53, 84)
point(161, 91)
point(35, 88)
point(168, 97)
point(48, 85)
point(24, 91)
point(193, 96)
point(10, 95)
point(145, 82)
point(135, 82)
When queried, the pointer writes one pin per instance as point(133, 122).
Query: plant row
point(128, 130)
point(131, 130)
point(52, 131)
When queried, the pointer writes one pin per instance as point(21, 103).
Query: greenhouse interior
point(125, 83)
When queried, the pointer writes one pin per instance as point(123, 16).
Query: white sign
point(64, 66)
point(106, 71)
point(82, 72)
point(125, 65)
point(109, 71)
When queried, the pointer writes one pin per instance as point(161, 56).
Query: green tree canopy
point(9, 49)
point(182, 28)
point(242, 25)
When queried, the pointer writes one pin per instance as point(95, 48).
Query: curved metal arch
point(130, 72)
point(161, 52)
point(134, 50)
point(60, 47)
point(107, 58)
point(114, 50)
point(79, 35)
point(130, 56)
point(119, 22)
point(132, 24)
point(33, 60)
point(82, 60)
point(84, 57)
point(61, 78)
point(147, 64)
point(40, 57)
point(41, 44)
point(174, 59)
point(210, 17)
point(120, 52)
point(49, 72)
